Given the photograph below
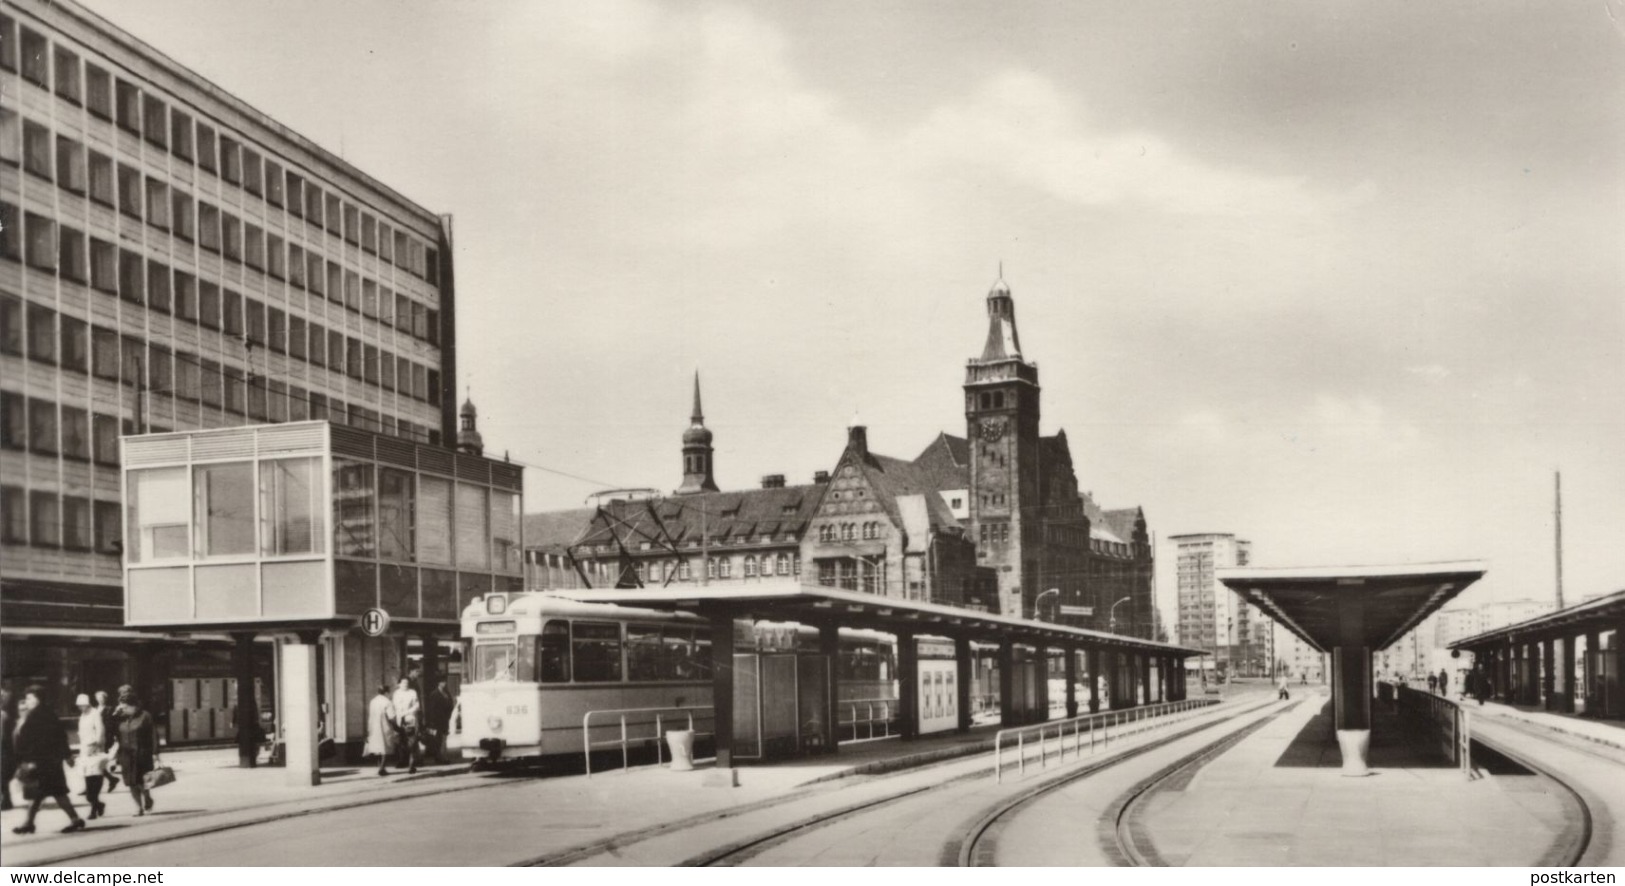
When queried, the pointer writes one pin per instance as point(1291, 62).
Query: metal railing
point(628, 731)
point(1449, 721)
point(1100, 728)
point(880, 712)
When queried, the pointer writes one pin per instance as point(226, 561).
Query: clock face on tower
point(992, 429)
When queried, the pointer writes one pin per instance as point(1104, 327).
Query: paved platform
point(1605, 732)
point(212, 794)
point(1278, 799)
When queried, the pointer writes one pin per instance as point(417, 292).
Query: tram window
point(494, 661)
point(555, 656)
point(597, 652)
point(684, 655)
point(644, 654)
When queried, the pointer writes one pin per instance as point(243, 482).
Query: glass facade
point(244, 536)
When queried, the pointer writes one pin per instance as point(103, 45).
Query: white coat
point(380, 727)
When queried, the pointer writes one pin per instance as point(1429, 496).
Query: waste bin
point(681, 742)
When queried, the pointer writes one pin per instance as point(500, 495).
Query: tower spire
point(697, 451)
point(699, 415)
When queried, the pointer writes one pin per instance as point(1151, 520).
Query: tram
point(537, 663)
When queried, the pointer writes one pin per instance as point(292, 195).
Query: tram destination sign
point(1084, 611)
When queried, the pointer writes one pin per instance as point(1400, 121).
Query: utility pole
point(1558, 514)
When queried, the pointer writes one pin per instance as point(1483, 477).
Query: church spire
point(697, 451)
point(468, 434)
point(698, 417)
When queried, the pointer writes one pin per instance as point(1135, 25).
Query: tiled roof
point(554, 531)
point(892, 477)
point(947, 462)
point(720, 515)
point(1122, 521)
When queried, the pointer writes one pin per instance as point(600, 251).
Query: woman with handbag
point(92, 754)
point(42, 753)
point(137, 747)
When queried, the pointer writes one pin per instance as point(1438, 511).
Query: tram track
point(1580, 843)
point(978, 845)
point(743, 850)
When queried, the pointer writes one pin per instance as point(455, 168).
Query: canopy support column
point(1071, 653)
point(722, 686)
point(1351, 687)
point(965, 665)
point(908, 686)
point(1094, 680)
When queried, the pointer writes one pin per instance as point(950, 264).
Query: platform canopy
point(1601, 614)
point(1312, 602)
point(813, 604)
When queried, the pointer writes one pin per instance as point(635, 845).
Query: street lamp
point(1037, 609)
point(1112, 614)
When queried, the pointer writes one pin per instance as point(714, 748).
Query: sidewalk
point(1278, 798)
point(210, 792)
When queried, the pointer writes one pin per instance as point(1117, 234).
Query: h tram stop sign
point(374, 622)
point(1078, 610)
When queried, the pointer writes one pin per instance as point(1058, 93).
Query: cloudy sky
point(1345, 278)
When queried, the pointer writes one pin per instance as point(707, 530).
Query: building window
point(131, 277)
point(473, 530)
point(313, 204)
point(13, 515)
point(13, 421)
point(231, 236)
point(42, 334)
point(76, 534)
point(155, 120)
point(223, 521)
point(36, 64)
point(185, 296)
point(129, 106)
point(157, 204)
point(45, 519)
point(109, 525)
point(70, 164)
point(826, 573)
point(37, 149)
point(231, 160)
point(180, 134)
point(12, 333)
point(252, 172)
point(67, 73)
point(101, 178)
point(104, 358)
point(159, 502)
point(206, 150)
point(335, 221)
point(158, 286)
point(254, 247)
point(129, 191)
point(40, 234)
point(750, 566)
point(276, 256)
point(290, 508)
point(98, 91)
point(783, 564)
point(208, 304)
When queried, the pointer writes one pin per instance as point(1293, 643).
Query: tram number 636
point(516, 709)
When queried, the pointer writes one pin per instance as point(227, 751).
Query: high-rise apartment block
point(1213, 618)
point(173, 259)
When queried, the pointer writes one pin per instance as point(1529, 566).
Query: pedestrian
point(1444, 682)
point(380, 729)
point(1281, 689)
point(110, 720)
point(92, 754)
point(408, 724)
point(42, 755)
point(1433, 683)
point(137, 747)
point(8, 756)
point(437, 711)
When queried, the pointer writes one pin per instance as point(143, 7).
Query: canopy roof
point(1309, 600)
point(1605, 613)
point(813, 604)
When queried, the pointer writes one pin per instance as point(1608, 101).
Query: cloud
point(1328, 427)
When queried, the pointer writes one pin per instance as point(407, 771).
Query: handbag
point(28, 777)
point(158, 777)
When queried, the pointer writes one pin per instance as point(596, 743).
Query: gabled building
point(993, 520)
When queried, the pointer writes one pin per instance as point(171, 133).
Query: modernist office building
point(173, 259)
